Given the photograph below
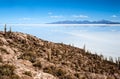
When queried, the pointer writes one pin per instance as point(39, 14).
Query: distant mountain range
point(85, 22)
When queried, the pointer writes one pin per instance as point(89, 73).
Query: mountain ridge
point(85, 22)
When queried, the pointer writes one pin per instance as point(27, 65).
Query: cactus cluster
point(5, 30)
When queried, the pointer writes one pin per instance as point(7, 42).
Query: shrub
point(77, 75)
point(10, 77)
point(28, 73)
point(29, 56)
point(60, 72)
point(67, 77)
point(38, 64)
point(7, 70)
point(56, 71)
point(49, 69)
point(1, 60)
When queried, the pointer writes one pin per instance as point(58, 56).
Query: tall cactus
point(5, 29)
point(119, 62)
point(10, 30)
point(110, 59)
point(49, 54)
point(84, 48)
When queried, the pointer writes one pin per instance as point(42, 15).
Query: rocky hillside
point(23, 56)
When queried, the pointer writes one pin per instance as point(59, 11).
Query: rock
point(3, 41)
point(41, 75)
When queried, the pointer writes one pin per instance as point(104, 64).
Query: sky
point(46, 11)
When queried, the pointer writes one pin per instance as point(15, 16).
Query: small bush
point(28, 73)
point(29, 56)
point(1, 60)
point(77, 75)
point(10, 77)
point(59, 72)
point(38, 64)
point(49, 69)
point(7, 70)
point(67, 77)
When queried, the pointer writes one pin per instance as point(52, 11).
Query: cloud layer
point(80, 16)
point(25, 18)
point(56, 16)
point(114, 16)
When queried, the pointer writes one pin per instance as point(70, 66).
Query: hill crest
point(28, 57)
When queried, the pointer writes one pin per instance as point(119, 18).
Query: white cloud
point(114, 16)
point(50, 13)
point(80, 16)
point(56, 16)
point(25, 18)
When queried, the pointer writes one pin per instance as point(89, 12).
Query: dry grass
point(7, 72)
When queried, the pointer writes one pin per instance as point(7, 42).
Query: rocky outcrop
point(32, 58)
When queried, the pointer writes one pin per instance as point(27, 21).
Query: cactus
point(119, 63)
point(49, 55)
point(10, 30)
point(110, 59)
point(84, 48)
point(5, 29)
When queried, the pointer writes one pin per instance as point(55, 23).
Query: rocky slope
point(23, 56)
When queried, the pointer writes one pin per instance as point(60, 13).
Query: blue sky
point(45, 11)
